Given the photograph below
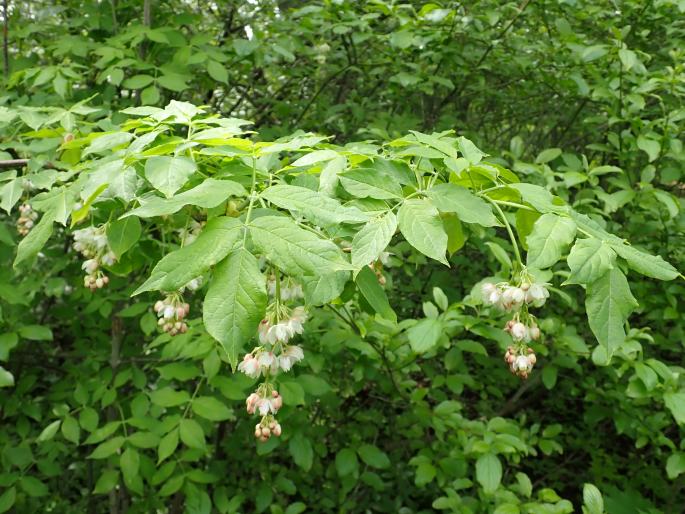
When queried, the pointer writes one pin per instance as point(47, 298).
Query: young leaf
point(370, 183)
point(649, 265)
point(592, 499)
point(167, 446)
point(295, 250)
point(219, 237)
point(302, 452)
point(608, 303)
point(123, 234)
point(208, 194)
point(373, 456)
point(588, 260)
point(467, 206)
point(192, 434)
point(210, 408)
point(368, 285)
point(36, 239)
point(550, 236)
point(420, 224)
point(168, 174)
point(372, 239)
point(315, 206)
point(489, 472)
point(235, 302)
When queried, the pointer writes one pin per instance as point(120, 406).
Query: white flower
point(267, 360)
point(519, 331)
point(90, 266)
point(109, 258)
point(263, 330)
point(488, 289)
point(289, 356)
point(522, 363)
point(266, 405)
point(249, 366)
point(537, 293)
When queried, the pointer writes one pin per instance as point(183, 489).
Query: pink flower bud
point(159, 305)
point(180, 312)
point(534, 333)
point(277, 430)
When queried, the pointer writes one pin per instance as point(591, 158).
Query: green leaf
point(6, 378)
point(420, 224)
point(218, 238)
point(7, 499)
point(35, 240)
point(302, 452)
point(71, 430)
point(525, 221)
point(235, 302)
point(192, 434)
point(372, 239)
point(33, 487)
point(675, 402)
point(468, 207)
point(49, 431)
point(592, 499)
point(548, 155)
point(649, 146)
point(373, 456)
point(295, 250)
point(489, 472)
point(208, 195)
point(675, 465)
point(648, 265)
point(550, 236)
point(455, 232)
point(168, 397)
point(123, 234)
point(107, 481)
point(107, 141)
point(346, 462)
point(539, 197)
point(315, 206)
point(138, 81)
point(425, 335)
point(608, 303)
point(168, 174)
point(11, 193)
point(167, 446)
point(130, 464)
point(210, 408)
point(323, 289)
point(370, 183)
point(588, 260)
point(109, 447)
point(367, 283)
point(36, 332)
point(217, 71)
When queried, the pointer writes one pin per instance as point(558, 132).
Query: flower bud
point(159, 305)
point(277, 430)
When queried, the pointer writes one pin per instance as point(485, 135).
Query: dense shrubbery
point(412, 267)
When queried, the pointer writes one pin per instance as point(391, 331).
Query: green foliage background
point(583, 99)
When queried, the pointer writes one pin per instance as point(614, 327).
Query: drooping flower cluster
point(91, 242)
point(520, 362)
point(27, 218)
point(277, 329)
point(267, 402)
point(274, 355)
point(523, 327)
point(171, 313)
point(511, 298)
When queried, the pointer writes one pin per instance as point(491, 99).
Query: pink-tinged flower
point(522, 363)
point(267, 360)
point(534, 333)
point(251, 402)
point(265, 406)
point(263, 330)
point(250, 366)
